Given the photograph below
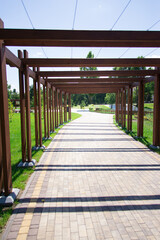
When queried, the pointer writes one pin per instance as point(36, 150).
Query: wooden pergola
point(58, 84)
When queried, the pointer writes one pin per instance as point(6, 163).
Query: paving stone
point(92, 182)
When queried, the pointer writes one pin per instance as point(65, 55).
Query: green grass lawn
point(20, 175)
point(100, 109)
point(148, 106)
point(147, 130)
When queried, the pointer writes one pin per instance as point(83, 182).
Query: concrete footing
point(37, 148)
point(154, 147)
point(27, 164)
point(9, 200)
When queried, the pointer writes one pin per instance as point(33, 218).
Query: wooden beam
point(12, 60)
point(95, 80)
point(110, 85)
point(95, 62)
point(121, 73)
point(91, 90)
point(4, 123)
point(80, 38)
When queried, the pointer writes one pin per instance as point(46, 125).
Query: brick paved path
point(93, 182)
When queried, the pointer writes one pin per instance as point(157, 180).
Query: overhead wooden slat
point(111, 62)
point(80, 38)
point(91, 85)
point(94, 80)
point(122, 73)
point(91, 90)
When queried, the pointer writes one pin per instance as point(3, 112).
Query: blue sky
point(91, 15)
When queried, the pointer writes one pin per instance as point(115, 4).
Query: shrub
point(82, 105)
point(10, 109)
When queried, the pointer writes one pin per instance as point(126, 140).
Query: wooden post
point(28, 120)
point(50, 108)
point(120, 107)
point(60, 108)
point(69, 105)
point(140, 109)
point(55, 107)
point(53, 110)
point(39, 109)
point(22, 110)
point(47, 100)
point(44, 109)
point(130, 109)
point(65, 107)
point(124, 109)
point(35, 112)
point(57, 117)
point(1, 166)
point(116, 105)
point(156, 113)
point(5, 156)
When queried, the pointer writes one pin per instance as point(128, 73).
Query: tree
point(148, 89)
point(110, 98)
point(88, 98)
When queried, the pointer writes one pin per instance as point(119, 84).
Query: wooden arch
point(58, 83)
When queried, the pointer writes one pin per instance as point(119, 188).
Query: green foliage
point(88, 98)
point(82, 105)
point(110, 98)
point(149, 87)
point(12, 94)
point(148, 106)
point(100, 109)
point(10, 109)
point(91, 108)
point(149, 91)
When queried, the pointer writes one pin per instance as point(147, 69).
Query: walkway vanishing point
point(93, 182)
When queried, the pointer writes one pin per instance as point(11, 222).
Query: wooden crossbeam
point(12, 60)
point(95, 80)
point(121, 73)
point(105, 85)
point(91, 90)
point(111, 62)
point(80, 38)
